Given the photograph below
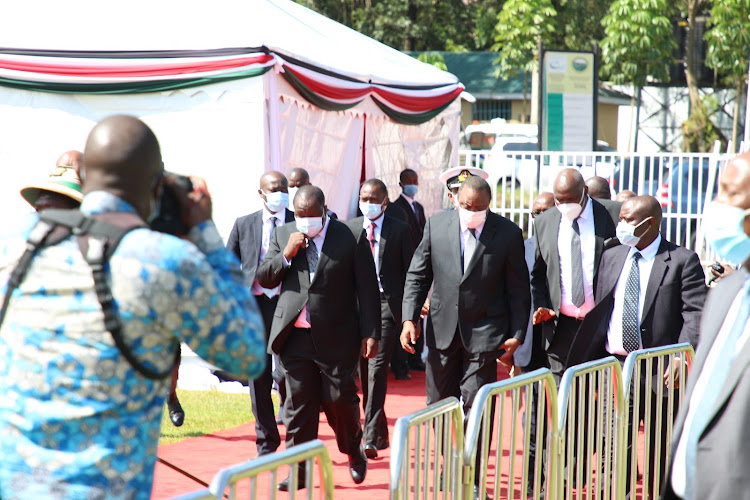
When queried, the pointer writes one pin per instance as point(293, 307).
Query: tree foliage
point(521, 26)
point(638, 42)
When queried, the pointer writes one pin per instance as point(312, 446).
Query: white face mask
point(371, 210)
point(572, 210)
point(292, 193)
point(309, 226)
point(626, 233)
point(472, 220)
point(276, 201)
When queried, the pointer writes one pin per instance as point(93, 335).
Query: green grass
point(207, 412)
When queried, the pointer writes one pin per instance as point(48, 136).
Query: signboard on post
point(569, 85)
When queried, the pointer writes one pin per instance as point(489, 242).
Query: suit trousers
point(314, 382)
point(457, 372)
point(267, 434)
point(373, 375)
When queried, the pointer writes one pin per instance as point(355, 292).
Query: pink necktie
point(371, 239)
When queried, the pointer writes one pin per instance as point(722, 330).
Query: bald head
point(598, 187)
point(309, 202)
point(71, 158)
point(273, 181)
point(644, 213)
point(542, 203)
point(569, 186)
point(623, 195)
point(123, 158)
point(298, 177)
point(734, 186)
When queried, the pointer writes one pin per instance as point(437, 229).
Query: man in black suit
point(650, 293)
point(328, 315)
point(480, 302)
point(249, 240)
point(599, 190)
point(392, 250)
point(568, 250)
point(409, 182)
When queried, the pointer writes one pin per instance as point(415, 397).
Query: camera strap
point(98, 238)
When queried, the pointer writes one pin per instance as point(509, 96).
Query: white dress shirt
point(701, 386)
point(645, 264)
point(319, 239)
point(277, 219)
point(366, 223)
point(465, 233)
point(588, 248)
point(411, 203)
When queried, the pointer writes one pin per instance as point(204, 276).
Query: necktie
point(630, 339)
point(371, 239)
point(471, 244)
point(717, 377)
point(576, 267)
point(312, 263)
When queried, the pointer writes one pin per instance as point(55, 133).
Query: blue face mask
point(724, 232)
point(276, 201)
point(411, 190)
point(371, 210)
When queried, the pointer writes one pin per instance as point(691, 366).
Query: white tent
point(231, 89)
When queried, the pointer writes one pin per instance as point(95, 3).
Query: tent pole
point(274, 129)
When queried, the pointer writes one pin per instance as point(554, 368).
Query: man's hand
point(541, 315)
point(673, 371)
point(196, 203)
point(409, 336)
point(425, 309)
point(370, 347)
point(296, 241)
point(510, 347)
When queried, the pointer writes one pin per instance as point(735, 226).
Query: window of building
point(486, 110)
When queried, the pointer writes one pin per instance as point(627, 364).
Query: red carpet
point(205, 455)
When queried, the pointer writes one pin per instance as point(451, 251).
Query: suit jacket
point(489, 303)
point(343, 299)
point(545, 277)
point(416, 221)
point(723, 451)
point(394, 255)
point(672, 305)
point(613, 207)
point(245, 241)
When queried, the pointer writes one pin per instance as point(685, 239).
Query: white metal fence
point(682, 182)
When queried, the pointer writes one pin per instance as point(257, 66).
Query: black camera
point(169, 217)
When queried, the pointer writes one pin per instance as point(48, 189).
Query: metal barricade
point(310, 453)
point(427, 456)
point(591, 427)
point(654, 398)
point(487, 439)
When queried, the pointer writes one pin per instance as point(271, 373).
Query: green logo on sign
point(580, 64)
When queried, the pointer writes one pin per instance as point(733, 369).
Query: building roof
point(476, 70)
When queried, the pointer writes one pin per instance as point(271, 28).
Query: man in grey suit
point(249, 241)
point(480, 301)
point(390, 242)
point(328, 314)
point(568, 250)
point(650, 293)
point(710, 451)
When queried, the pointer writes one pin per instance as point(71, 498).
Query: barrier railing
point(308, 453)
point(484, 432)
point(427, 456)
point(654, 399)
point(591, 426)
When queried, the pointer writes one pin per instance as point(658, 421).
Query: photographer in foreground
point(84, 369)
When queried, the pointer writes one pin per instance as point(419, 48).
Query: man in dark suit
point(409, 182)
point(650, 293)
point(480, 302)
point(328, 315)
point(299, 177)
point(710, 449)
point(392, 250)
point(568, 250)
point(249, 240)
point(599, 190)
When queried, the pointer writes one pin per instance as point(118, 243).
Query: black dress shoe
point(358, 466)
point(371, 451)
point(403, 376)
point(417, 365)
point(176, 413)
point(284, 485)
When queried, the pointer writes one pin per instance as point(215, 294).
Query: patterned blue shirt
point(76, 420)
